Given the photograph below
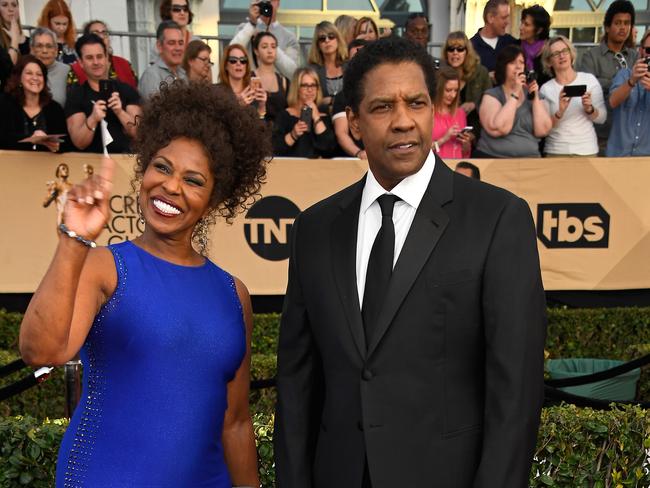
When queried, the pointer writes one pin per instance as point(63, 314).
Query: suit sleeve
point(514, 311)
point(299, 385)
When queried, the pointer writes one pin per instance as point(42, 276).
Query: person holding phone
point(265, 51)
point(630, 100)
point(575, 100)
point(512, 124)
point(100, 99)
point(451, 136)
point(31, 120)
point(302, 130)
point(235, 75)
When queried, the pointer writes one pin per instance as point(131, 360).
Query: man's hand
point(115, 103)
point(99, 112)
point(254, 12)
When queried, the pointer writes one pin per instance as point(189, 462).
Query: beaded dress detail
point(157, 362)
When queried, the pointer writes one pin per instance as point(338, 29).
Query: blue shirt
point(630, 121)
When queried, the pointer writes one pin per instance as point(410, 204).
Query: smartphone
point(305, 116)
point(105, 89)
point(256, 82)
point(464, 130)
point(531, 76)
point(575, 90)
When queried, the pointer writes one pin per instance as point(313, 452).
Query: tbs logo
point(562, 225)
point(267, 227)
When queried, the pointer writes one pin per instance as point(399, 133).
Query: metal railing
point(138, 47)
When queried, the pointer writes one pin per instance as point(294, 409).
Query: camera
point(647, 61)
point(266, 9)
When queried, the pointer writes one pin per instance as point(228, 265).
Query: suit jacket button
point(367, 375)
point(360, 425)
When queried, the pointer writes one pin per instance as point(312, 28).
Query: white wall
point(111, 11)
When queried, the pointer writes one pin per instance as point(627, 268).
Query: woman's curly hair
point(236, 141)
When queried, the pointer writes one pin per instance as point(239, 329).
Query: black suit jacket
point(449, 391)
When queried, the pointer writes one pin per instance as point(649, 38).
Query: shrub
point(28, 451)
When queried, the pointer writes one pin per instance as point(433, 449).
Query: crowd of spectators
point(495, 96)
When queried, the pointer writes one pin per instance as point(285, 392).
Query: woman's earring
point(137, 201)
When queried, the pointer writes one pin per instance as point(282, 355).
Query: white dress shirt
point(410, 190)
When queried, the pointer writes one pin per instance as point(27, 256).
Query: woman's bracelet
point(88, 127)
point(11, 48)
point(293, 138)
point(73, 235)
point(356, 154)
point(592, 111)
point(316, 121)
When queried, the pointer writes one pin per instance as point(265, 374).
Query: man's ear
point(353, 123)
point(159, 46)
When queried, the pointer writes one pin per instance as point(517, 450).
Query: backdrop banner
point(592, 216)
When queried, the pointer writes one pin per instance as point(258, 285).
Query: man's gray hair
point(163, 26)
point(42, 31)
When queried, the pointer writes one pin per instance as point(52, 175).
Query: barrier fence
point(592, 216)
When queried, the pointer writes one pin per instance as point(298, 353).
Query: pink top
point(441, 123)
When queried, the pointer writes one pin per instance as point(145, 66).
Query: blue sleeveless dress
point(156, 363)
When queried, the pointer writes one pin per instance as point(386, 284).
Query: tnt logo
point(561, 225)
point(268, 227)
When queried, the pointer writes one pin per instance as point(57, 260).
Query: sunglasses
point(308, 85)
point(180, 8)
point(647, 50)
point(620, 59)
point(324, 37)
point(235, 60)
point(457, 49)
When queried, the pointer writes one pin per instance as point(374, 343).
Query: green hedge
point(576, 448)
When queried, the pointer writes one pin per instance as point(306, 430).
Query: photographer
point(261, 17)
point(100, 99)
point(630, 101)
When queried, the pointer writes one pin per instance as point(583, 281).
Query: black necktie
point(380, 266)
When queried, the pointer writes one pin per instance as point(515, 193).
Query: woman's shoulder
point(587, 78)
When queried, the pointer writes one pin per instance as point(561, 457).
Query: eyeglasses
point(457, 49)
point(205, 60)
point(100, 33)
point(308, 86)
point(324, 37)
point(42, 47)
point(620, 59)
point(235, 60)
point(559, 53)
point(180, 8)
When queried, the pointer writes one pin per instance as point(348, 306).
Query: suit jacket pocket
point(469, 429)
point(447, 278)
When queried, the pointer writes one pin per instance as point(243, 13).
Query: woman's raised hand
point(86, 209)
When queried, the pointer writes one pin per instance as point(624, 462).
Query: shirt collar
point(604, 49)
point(411, 189)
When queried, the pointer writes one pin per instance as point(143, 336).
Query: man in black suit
point(432, 375)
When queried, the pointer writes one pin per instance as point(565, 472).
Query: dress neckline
point(153, 256)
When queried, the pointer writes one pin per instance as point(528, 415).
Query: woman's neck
point(31, 100)
point(175, 249)
point(565, 76)
point(266, 69)
point(329, 60)
point(512, 87)
point(237, 85)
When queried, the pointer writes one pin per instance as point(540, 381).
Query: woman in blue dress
point(163, 333)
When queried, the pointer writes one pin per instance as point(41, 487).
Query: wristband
point(89, 128)
point(73, 235)
point(292, 136)
point(630, 84)
point(592, 111)
point(11, 48)
point(516, 97)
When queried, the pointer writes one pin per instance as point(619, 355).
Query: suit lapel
point(344, 257)
point(428, 226)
